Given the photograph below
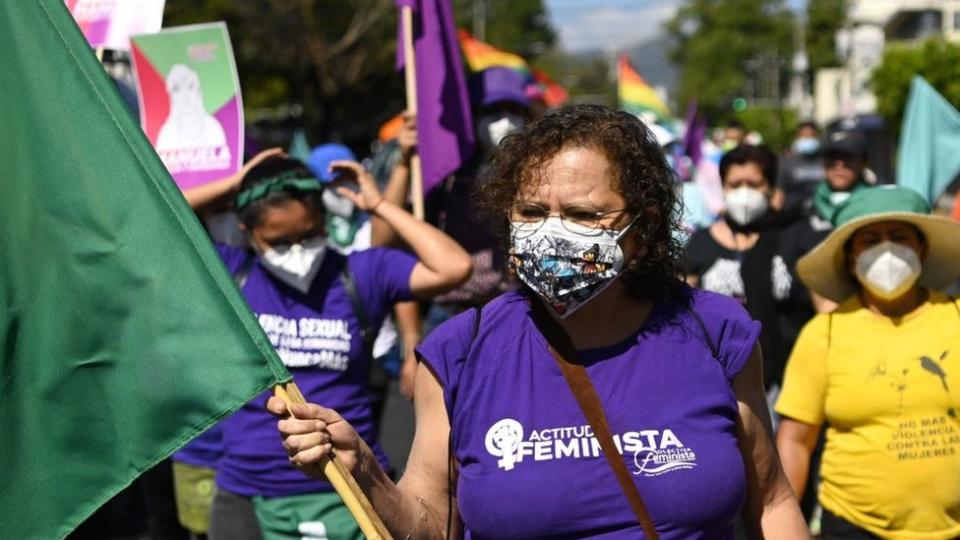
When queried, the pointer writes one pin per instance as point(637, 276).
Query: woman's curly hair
point(644, 180)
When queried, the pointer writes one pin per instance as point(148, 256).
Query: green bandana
point(827, 205)
point(288, 181)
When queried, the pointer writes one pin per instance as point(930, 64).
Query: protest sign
point(110, 23)
point(190, 105)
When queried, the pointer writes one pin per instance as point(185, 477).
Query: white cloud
point(611, 26)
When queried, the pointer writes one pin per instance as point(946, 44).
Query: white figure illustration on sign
point(189, 125)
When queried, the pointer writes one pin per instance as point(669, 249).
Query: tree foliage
point(935, 60)
point(519, 26)
point(824, 19)
point(717, 44)
point(334, 59)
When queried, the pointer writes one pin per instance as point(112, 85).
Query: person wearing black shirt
point(751, 252)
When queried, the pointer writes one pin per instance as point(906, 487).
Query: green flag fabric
point(929, 141)
point(122, 336)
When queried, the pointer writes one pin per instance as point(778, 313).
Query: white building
point(844, 91)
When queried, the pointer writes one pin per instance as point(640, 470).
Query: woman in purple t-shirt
point(309, 299)
point(502, 448)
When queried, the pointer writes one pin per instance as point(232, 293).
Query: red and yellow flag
point(636, 95)
point(554, 95)
point(481, 56)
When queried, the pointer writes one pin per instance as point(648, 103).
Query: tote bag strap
point(583, 390)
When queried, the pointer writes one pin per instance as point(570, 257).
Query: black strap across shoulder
point(367, 334)
point(240, 276)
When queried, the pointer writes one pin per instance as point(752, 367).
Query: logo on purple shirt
point(655, 452)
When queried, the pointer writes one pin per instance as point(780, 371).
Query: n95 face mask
point(888, 269)
point(744, 204)
point(296, 264)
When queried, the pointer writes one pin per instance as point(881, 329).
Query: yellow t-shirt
point(890, 391)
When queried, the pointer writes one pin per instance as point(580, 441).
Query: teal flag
point(929, 142)
point(299, 147)
point(122, 336)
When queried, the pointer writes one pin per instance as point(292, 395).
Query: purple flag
point(444, 122)
point(693, 138)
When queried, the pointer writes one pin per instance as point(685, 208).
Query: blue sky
point(613, 24)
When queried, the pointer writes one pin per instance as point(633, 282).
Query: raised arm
point(416, 507)
point(398, 186)
point(443, 263)
point(220, 191)
point(771, 510)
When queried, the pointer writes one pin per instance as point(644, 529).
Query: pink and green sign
point(110, 23)
point(190, 105)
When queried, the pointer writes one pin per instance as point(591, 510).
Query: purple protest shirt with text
point(529, 465)
point(318, 338)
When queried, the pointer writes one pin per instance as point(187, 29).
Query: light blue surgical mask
point(806, 145)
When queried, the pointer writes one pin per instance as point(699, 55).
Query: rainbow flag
point(480, 55)
point(636, 95)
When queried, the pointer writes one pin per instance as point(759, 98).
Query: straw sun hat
point(824, 269)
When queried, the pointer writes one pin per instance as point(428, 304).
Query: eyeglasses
point(575, 219)
point(296, 238)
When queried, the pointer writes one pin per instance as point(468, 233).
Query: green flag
point(929, 139)
point(122, 336)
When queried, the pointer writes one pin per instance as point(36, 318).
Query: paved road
point(397, 429)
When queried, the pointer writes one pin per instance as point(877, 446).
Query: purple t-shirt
point(318, 338)
point(204, 450)
point(529, 466)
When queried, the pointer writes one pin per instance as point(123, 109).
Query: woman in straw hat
point(881, 371)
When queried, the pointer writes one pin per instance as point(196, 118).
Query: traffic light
point(739, 104)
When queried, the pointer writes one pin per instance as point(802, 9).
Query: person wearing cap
point(881, 372)
point(347, 228)
point(306, 295)
point(845, 164)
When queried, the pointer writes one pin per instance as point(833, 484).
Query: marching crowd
point(781, 358)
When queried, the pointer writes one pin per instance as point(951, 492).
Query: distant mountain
point(650, 60)
point(648, 57)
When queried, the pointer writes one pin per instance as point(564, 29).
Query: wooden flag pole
point(410, 76)
point(338, 475)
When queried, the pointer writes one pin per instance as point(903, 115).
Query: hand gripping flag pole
point(370, 523)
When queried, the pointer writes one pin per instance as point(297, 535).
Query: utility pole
point(480, 19)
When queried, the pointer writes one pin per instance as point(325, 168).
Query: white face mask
point(492, 129)
point(337, 204)
point(888, 269)
point(296, 264)
point(839, 197)
point(745, 204)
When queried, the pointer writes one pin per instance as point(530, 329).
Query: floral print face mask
point(566, 265)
